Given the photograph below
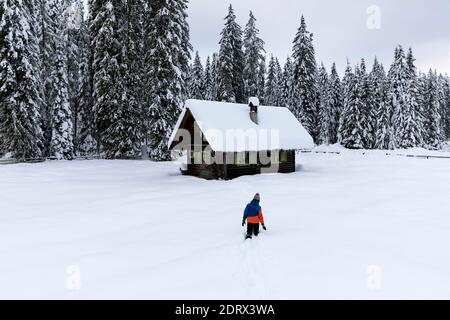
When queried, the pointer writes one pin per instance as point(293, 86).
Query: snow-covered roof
point(254, 101)
point(228, 128)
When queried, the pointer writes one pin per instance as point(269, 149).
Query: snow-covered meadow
point(343, 226)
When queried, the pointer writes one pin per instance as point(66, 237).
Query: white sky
point(339, 27)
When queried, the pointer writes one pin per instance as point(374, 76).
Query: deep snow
point(343, 226)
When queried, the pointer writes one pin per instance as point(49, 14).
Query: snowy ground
point(344, 226)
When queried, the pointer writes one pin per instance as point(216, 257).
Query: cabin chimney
point(253, 103)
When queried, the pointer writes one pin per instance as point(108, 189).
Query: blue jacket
point(253, 212)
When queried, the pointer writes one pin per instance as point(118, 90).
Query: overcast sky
point(340, 28)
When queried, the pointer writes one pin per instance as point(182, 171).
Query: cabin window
point(253, 157)
point(283, 156)
point(240, 159)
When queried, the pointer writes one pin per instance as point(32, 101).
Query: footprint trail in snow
point(253, 269)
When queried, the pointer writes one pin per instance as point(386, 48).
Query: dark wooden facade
point(229, 169)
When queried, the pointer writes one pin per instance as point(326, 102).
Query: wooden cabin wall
point(207, 171)
point(203, 171)
point(289, 166)
point(232, 171)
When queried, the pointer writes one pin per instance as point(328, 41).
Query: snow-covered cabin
point(226, 140)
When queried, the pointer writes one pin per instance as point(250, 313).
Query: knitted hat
point(256, 197)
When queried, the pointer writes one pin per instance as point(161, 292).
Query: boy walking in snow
point(253, 215)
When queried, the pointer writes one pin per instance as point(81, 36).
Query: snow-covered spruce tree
point(423, 109)
point(20, 130)
point(411, 134)
point(196, 80)
point(447, 108)
point(85, 143)
point(214, 76)
point(279, 83)
point(432, 109)
point(74, 42)
point(443, 95)
point(384, 133)
point(106, 71)
point(261, 84)
point(367, 107)
point(305, 99)
point(253, 54)
point(86, 137)
point(231, 61)
point(132, 32)
point(208, 81)
point(351, 132)
point(3, 34)
point(167, 60)
point(270, 92)
point(324, 117)
point(78, 60)
point(49, 33)
point(287, 84)
point(187, 80)
point(115, 116)
point(335, 104)
point(397, 97)
point(62, 135)
point(34, 7)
